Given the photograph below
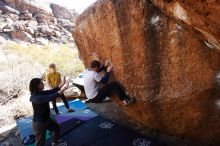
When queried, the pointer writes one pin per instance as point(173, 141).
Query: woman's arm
point(51, 94)
point(46, 92)
point(42, 98)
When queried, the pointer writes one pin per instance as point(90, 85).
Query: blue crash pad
point(100, 131)
point(83, 115)
point(25, 126)
point(76, 104)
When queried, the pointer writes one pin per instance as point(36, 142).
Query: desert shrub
point(65, 57)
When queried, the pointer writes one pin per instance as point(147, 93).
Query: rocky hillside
point(165, 53)
point(35, 22)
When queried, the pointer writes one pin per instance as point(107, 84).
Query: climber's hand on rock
point(109, 68)
point(107, 63)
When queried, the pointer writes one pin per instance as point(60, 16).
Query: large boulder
point(169, 69)
point(32, 6)
point(39, 9)
point(7, 9)
point(62, 12)
point(36, 18)
point(7, 28)
point(30, 30)
point(25, 16)
point(43, 28)
point(21, 35)
point(42, 18)
point(65, 24)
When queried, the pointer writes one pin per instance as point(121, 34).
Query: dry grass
point(63, 56)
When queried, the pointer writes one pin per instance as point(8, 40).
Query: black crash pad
point(100, 131)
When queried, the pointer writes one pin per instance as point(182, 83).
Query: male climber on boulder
point(92, 78)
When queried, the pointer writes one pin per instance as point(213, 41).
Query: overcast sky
point(78, 5)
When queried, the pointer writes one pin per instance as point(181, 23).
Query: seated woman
point(53, 81)
point(40, 102)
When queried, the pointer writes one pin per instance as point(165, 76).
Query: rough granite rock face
point(30, 6)
point(7, 9)
point(169, 69)
point(24, 5)
point(200, 17)
point(21, 35)
point(34, 26)
point(63, 13)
